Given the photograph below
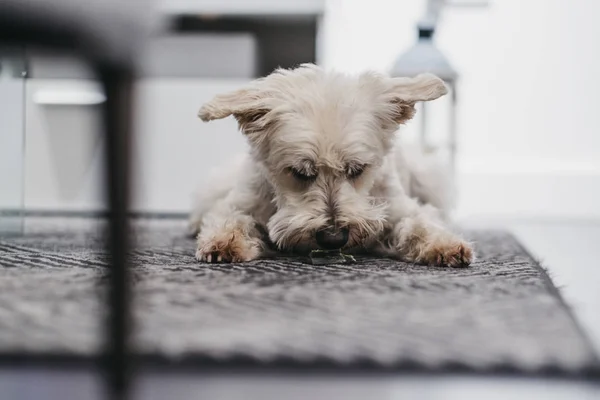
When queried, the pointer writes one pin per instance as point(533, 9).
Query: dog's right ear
point(234, 103)
point(248, 105)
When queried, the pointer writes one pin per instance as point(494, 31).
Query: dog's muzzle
point(331, 239)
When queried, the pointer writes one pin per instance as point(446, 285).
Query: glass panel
point(12, 139)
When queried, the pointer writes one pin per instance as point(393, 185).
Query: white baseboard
point(530, 194)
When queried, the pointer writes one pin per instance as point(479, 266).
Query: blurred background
point(527, 143)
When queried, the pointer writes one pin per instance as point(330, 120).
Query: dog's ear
point(403, 93)
point(248, 106)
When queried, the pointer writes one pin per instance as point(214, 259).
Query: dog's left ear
point(403, 93)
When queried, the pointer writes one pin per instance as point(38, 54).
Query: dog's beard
point(293, 230)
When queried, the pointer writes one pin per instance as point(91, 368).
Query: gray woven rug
point(502, 313)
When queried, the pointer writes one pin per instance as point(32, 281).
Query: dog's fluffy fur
point(323, 155)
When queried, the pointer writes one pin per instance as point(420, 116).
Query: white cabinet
point(263, 7)
point(174, 149)
point(63, 145)
point(11, 142)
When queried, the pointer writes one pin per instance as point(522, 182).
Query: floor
point(566, 248)
point(76, 385)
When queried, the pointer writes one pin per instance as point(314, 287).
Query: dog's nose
point(331, 239)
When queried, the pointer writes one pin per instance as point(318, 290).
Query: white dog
point(324, 172)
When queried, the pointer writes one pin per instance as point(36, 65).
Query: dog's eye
point(354, 171)
point(302, 175)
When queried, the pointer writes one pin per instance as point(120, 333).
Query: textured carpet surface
point(502, 312)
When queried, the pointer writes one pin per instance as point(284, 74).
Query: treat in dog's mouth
point(325, 257)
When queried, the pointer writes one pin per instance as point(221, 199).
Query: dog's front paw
point(448, 253)
point(443, 250)
point(227, 248)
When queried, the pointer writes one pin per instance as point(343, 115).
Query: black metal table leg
point(117, 83)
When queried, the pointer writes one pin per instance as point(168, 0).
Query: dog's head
point(321, 138)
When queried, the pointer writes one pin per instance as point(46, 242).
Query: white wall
point(529, 134)
point(528, 129)
point(529, 139)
